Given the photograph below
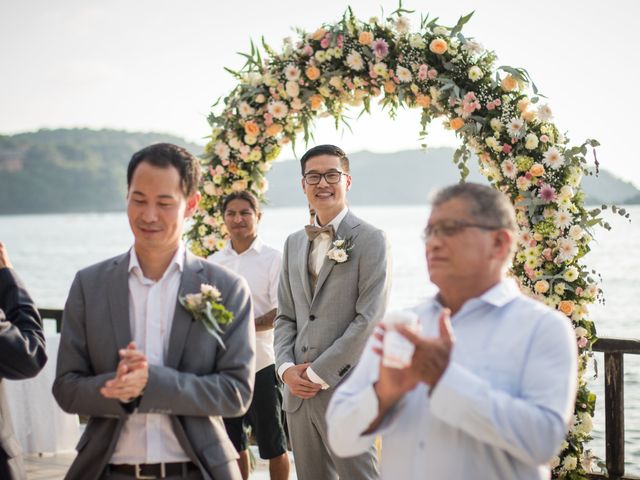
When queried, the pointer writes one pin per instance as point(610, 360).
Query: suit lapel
point(118, 294)
point(304, 266)
point(349, 222)
point(182, 321)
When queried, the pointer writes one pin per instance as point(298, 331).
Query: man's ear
point(503, 241)
point(192, 204)
point(348, 182)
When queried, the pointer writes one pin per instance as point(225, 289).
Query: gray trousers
point(311, 452)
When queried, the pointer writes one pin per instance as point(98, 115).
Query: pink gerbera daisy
point(380, 47)
point(547, 193)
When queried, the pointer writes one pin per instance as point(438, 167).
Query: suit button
point(312, 318)
point(304, 349)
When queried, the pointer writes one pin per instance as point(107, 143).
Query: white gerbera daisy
point(402, 24)
point(544, 113)
point(221, 149)
point(292, 72)
point(354, 61)
point(509, 169)
point(552, 158)
point(567, 249)
point(403, 74)
point(562, 218)
point(515, 127)
point(278, 109)
point(244, 109)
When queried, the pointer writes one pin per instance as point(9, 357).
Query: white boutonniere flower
point(207, 308)
point(339, 251)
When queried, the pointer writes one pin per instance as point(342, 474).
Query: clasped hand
point(298, 381)
point(428, 364)
point(131, 377)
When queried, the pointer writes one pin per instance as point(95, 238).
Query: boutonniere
point(339, 251)
point(206, 308)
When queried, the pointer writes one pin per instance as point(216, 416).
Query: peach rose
point(423, 100)
point(509, 83)
point(537, 170)
point(251, 128)
point(365, 38)
point(566, 307)
point(541, 286)
point(389, 86)
point(316, 101)
point(529, 116)
point(523, 104)
point(274, 129)
point(313, 73)
point(456, 123)
point(438, 46)
point(319, 34)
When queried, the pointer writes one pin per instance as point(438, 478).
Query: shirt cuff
point(313, 376)
point(283, 368)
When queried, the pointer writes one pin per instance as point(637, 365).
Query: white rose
point(475, 73)
point(576, 232)
point(531, 141)
point(570, 463)
point(209, 188)
point(338, 255)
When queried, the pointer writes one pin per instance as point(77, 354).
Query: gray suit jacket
point(22, 355)
point(200, 383)
point(330, 325)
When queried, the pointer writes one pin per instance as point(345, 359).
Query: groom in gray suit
point(333, 288)
point(154, 383)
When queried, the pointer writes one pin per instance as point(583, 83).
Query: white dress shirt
point(260, 265)
point(317, 256)
point(149, 437)
point(500, 411)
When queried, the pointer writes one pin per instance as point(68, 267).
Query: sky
point(158, 65)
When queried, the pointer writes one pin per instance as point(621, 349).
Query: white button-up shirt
point(317, 255)
point(260, 265)
point(149, 437)
point(500, 411)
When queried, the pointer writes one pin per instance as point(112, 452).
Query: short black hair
point(166, 155)
point(245, 195)
point(325, 150)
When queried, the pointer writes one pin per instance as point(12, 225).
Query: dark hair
point(488, 204)
point(325, 150)
point(245, 195)
point(166, 155)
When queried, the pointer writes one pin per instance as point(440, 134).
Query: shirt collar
point(178, 260)
point(499, 295)
point(257, 246)
point(336, 220)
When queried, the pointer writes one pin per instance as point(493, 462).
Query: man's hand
point(298, 382)
point(392, 384)
point(131, 377)
point(431, 356)
point(4, 257)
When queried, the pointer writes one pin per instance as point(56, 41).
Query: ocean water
point(47, 250)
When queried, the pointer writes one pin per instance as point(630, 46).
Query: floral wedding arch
point(496, 112)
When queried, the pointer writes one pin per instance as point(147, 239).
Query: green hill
point(70, 170)
point(82, 170)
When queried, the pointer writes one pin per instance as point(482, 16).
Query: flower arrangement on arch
point(496, 111)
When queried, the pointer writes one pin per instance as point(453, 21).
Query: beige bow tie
point(313, 231)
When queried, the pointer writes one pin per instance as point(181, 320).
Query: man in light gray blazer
point(333, 288)
point(154, 382)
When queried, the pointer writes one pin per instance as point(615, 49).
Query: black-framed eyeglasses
point(332, 177)
point(449, 228)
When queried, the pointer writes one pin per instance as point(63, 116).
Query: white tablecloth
point(40, 424)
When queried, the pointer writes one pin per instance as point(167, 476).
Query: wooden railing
point(614, 349)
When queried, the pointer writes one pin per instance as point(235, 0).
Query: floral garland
point(494, 111)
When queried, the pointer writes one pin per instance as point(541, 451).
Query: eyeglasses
point(332, 177)
point(449, 228)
